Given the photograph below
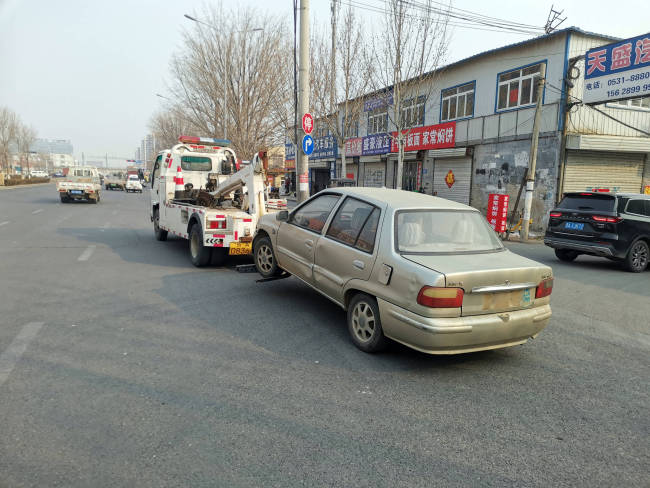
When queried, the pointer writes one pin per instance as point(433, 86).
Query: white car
point(37, 173)
point(133, 184)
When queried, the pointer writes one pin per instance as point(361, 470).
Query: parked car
point(133, 184)
point(424, 271)
point(38, 173)
point(611, 225)
point(58, 174)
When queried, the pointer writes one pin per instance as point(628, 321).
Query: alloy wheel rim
point(363, 321)
point(265, 258)
point(639, 255)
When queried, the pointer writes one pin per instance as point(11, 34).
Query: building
point(56, 153)
point(470, 134)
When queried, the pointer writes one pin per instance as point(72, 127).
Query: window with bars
point(516, 88)
point(350, 129)
point(378, 120)
point(413, 112)
point(457, 102)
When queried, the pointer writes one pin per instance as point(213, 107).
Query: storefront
point(374, 171)
point(319, 175)
point(612, 171)
point(452, 174)
point(412, 172)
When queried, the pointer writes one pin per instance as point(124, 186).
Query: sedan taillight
point(440, 297)
point(556, 214)
point(609, 220)
point(544, 289)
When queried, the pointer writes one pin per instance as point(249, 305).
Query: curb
point(14, 187)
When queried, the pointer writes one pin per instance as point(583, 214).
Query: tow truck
point(200, 192)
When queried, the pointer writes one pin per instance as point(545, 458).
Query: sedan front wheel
point(265, 261)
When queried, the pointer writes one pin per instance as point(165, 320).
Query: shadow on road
point(288, 319)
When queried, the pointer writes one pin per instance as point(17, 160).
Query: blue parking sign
point(307, 145)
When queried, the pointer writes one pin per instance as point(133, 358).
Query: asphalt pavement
point(123, 365)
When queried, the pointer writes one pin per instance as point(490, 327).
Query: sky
point(89, 71)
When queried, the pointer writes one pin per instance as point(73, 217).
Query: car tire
point(637, 257)
point(265, 261)
point(219, 256)
point(199, 254)
point(364, 324)
point(64, 199)
point(566, 255)
point(161, 235)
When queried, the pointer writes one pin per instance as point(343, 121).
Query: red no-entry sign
point(307, 123)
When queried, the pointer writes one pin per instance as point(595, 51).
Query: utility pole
point(532, 162)
point(302, 161)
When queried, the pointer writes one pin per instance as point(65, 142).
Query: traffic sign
point(307, 123)
point(307, 145)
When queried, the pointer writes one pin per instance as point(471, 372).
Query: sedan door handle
point(309, 243)
point(358, 264)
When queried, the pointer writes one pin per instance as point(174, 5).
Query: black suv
point(612, 225)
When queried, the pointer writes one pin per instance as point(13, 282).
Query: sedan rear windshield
point(444, 232)
point(196, 163)
point(598, 203)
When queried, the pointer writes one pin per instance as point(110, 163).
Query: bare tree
point(25, 137)
point(338, 88)
point(8, 125)
point(410, 48)
point(170, 123)
point(256, 87)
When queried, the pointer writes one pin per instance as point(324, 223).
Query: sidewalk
point(13, 187)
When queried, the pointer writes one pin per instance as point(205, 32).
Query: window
point(633, 103)
point(638, 207)
point(196, 163)
point(457, 102)
point(83, 172)
point(446, 232)
point(413, 112)
point(355, 224)
point(378, 120)
point(351, 129)
point(517, 88)
point(596, 202)
point(314, 213)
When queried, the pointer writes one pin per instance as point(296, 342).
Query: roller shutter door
point(587, 170)
point(374, 175)
point(460, 178)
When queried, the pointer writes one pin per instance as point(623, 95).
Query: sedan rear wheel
point(637, 257)
point(364, 324)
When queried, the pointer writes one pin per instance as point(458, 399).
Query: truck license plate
point(76, 191)
point(240, 248)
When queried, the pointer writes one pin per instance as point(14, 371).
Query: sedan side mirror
point(282, 216)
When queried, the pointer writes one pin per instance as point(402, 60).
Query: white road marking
point(4, 223)
point(37, 211)
point(17, 348)
point(87, 253)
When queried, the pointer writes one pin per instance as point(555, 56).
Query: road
point(122, 365)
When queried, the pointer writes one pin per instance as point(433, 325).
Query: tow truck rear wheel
point(199, 254)
point(161, 235)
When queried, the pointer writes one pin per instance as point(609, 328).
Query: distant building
point(52, 146)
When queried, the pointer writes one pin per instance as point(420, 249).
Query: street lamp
point(226, 64)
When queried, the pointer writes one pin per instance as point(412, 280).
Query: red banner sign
point(439, 136)
point(497, 211)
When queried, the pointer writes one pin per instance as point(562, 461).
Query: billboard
point(618, 71)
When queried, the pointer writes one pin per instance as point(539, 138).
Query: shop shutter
point(586, 170)
point(461, 169)
point(374, 175)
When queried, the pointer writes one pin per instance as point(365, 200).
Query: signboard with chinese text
point(439, 136)
point(381, 100)
point(289, 152)
point(353, 146)
point(618, 71)
point(375, 144)
point(497, 211)
point(325, 147)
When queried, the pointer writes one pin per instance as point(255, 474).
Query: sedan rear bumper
point(587, 247)
point(462, 334)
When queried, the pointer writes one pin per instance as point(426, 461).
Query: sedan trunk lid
point(492, 282)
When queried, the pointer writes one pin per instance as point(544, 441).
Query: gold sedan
point(424, 271)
